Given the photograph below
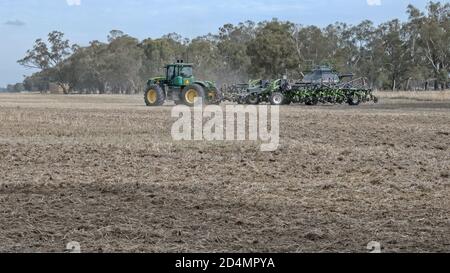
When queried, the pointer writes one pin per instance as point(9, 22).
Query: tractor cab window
point(186, 72)
point(171, 72)
point(317, 76)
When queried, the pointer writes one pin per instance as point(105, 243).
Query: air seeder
point(322, 85)
point(180, 85)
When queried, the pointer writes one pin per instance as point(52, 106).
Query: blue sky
point(23, 21)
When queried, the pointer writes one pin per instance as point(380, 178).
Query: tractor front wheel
point(191, 93)
point(154, 96)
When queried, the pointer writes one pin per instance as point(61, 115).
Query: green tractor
point(180, 85)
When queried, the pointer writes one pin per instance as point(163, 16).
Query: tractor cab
point(179, 74)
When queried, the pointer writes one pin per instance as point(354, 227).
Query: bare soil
point(104, 171)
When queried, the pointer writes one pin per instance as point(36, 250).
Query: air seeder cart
point(322, 85)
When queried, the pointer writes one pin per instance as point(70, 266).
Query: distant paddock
point(416, 95)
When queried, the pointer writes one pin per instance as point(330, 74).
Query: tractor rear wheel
point(154, 96)
point(191, 93)
point(277, 98)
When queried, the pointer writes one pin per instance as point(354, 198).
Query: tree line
point(13, 88)
point(394, 55)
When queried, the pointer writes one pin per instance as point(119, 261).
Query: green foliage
point(272, 51)
point(14, 88)
point(430, 36)
point(232, 47)
point(393, 55)
point(50, 57)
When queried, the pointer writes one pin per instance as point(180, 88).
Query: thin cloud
point(374, 2)
point(73, 2)
point(261, 6)
point(15, 23)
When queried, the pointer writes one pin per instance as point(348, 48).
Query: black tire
point(191, 92)
point(277, 98)
point(179, 101)
point(252, 99)
point(154, 96)
point(219, 98)
point(353, 100)
point(312, 102)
